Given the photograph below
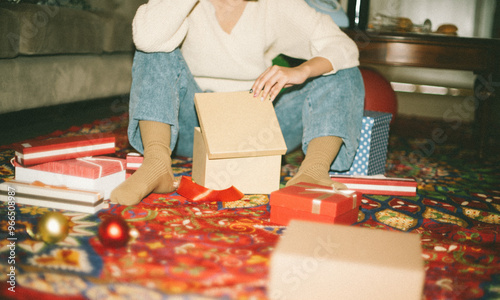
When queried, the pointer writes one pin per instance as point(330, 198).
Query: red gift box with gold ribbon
point(312, 202)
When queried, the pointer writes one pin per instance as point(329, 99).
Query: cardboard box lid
point(326, 261)
point(236, 124)
point(386, 249)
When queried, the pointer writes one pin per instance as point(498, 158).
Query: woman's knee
point(346, 86)
point(156, 61)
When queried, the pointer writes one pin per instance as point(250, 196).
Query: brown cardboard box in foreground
point(239, 142)
point(325, 261)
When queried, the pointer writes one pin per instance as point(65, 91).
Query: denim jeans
point(163, 90)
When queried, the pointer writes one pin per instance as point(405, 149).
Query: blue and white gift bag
point(371, 155)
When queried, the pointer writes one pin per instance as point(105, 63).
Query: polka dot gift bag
point(371, 155)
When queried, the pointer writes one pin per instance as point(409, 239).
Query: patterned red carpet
point(197, 251)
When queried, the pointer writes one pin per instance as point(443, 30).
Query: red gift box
point(312, 202)
point(134, 161)
point(99, 173)
point(88, 167)
point(37, 152)
point(379, 185)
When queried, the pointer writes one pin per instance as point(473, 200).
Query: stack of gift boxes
point(70, 173)
point(365, 176)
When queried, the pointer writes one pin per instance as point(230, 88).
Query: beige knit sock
point(155, 174)
point(316, 165)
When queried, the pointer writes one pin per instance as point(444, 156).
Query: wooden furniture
point(478, 55)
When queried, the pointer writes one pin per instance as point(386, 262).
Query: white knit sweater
point(224, 62)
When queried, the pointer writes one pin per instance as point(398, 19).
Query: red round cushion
point(379, 95)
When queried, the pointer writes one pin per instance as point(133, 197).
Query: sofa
point(63, 51)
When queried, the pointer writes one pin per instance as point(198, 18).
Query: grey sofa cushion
point(9, 34)
point(47, 29)
point(116, 32)
point(37, 81)
point(30, 29)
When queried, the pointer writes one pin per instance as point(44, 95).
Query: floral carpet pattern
point(185, 250)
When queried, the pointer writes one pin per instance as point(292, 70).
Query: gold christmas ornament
point(52, 228)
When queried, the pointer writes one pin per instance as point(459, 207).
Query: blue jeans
point(163, 90)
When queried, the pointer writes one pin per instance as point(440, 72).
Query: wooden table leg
point(484, 92)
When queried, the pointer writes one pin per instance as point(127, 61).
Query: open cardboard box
point(239, 143)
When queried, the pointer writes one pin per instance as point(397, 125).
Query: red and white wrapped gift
point(312, 202)
point(58, 197)
point(134, 161)
point(42, 151)
point(379, 185)
point(100, 173)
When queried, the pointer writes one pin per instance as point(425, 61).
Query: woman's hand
point(269, 84)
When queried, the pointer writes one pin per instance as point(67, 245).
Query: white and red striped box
point(379, 185)
point(134, 161)
point(100, 173)
point(40, 194)
point(41, 151)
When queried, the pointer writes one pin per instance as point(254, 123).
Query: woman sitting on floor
point(193, 46)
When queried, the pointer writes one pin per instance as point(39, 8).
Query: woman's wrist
point(316, 66)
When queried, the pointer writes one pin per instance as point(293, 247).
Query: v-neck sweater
point(223, 62)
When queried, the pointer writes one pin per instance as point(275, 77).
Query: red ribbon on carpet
point(197, 193)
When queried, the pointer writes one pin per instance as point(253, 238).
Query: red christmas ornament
point(114, 232)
